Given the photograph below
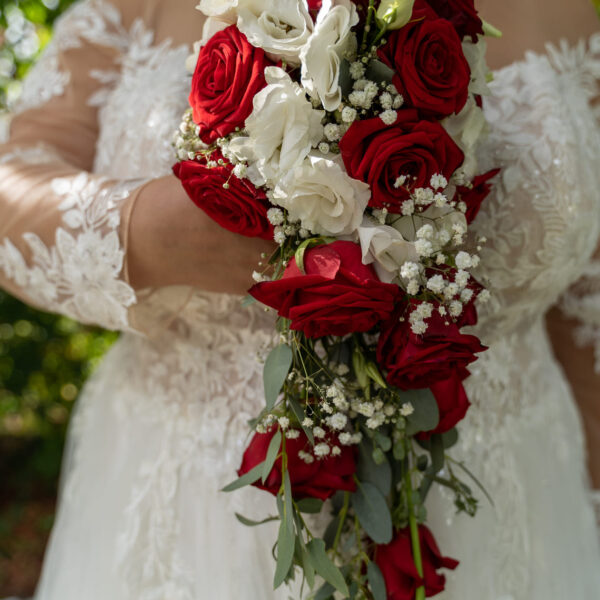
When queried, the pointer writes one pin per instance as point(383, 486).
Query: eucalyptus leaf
point(285, 554)
point(272, 453)
point(248, 301)
point(380, 475)
point(450, 438)
point(325, 592)
point(310, 505)
point(308, 567)
point(437, 454)
point(373, 513)
point(325, 567)
point(330, 531)
point(250, 523)
point(376, 582)
point(289, 509)
point(276, 368)
point(379, 72)
point(345, 81)
point(426, 415)
point(383, 441)
point(248, 478)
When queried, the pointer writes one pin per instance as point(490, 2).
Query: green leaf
point(373, 513)
point(299, 412)
point(285, 553)
point(248, 478)
point(272, 453)
point(308, 567)
point(277, 367)
point(383, 441)
point(325, 592)
point(373, 372)
point(345, 81)
point(376, 582)
point(289, 508)
point(248, 301)
point(437, 454)
point(325, 567)
point(426, 415)
point(379, 72)
point(250, 523)
point(310, 505)
point(380, 475)
point(450, 438)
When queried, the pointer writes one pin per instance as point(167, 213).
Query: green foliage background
point(44, 359)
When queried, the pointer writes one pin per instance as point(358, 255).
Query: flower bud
point(395, 14)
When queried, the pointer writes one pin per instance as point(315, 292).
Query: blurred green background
point(44, 359)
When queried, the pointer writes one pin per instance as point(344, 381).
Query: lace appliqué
point(80, 275)
point(92, 21)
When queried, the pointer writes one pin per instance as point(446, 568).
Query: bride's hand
point(173, 242)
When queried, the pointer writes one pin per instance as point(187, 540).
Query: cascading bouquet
point(347, 132)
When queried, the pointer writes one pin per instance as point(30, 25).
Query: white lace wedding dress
point(162, 424)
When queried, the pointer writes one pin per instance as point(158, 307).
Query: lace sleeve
point(62, 229)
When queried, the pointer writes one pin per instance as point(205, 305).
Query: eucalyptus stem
point(340, 527)
point(370, 12)
point(414, 528)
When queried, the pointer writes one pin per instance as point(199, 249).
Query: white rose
point(386, 247)
point(323, 197)
point(219, 8)
point(323, 53)
point(281, 131)
point(466, 129)
point(280, 28)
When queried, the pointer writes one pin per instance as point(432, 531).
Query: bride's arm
point(68, 238)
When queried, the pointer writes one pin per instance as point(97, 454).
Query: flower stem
point(414, 528)
point(343, 514)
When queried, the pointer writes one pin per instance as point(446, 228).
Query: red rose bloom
point(419, 361)
point(432, 72)
point(229, 73)
point(241, 208)
point(452, 401)
point(319, 479)
point(337, 295)
point(462, 14)
point(474, 196)
point(378, 154)
point(395, 560)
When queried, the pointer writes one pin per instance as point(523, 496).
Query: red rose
point(229, 73)
point(474, 196)
point(462, 14)
point(395, 560)
point(432, 72)
point(419, 361)
point(378, 154)
point(452, 402)
point(337, 295)
point(320, 478)
point(240, 208)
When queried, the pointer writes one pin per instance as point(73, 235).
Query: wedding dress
point(161, 425)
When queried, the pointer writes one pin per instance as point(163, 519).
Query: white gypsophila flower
point(466, 295)
point(442, 310)
point(438, 181)
point(321, 450)
point(323, 148)
point(440, 257)
point(424, 248)
point(456, 308)
point(385, 247)
point(440, 200)
point(357, 70)
point(410, 270)
point(319, 432)
point(475, 260)
point(323, 197)
point(451, 291)
point(336, 451)
point(462, 278)
point(343, 369)
point(424, 196)
point(337, 421)
point(281, 131)
point(321, 56)
point(357, 437)
point(275, 216)
point(332, 132)
point(366, 409)
point(345, 438)
point(258, 277)
point(284, 422)
point(466, 129)
point(407, 208)
point(462, 206)
point(463, 260)
point(400, 181)
point(386, 101)
point(418, 327)
point(308, 422)
point(349, 114)
point(292, 434)
point(306, 457)
point(240, 170)
point(280, 28)
point(389, 410)
point(376, 421)
point(407, 409)
point(436, 284)
point(388, 116)
point(484, 296)
point(398, 101)
point(279, 236)
point(413, 287)
point(426, 232)
point(425, 310)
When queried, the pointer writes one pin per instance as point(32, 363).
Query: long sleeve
point(63, 230)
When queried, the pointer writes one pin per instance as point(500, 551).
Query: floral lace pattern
point(92, 21)
point(80, 275)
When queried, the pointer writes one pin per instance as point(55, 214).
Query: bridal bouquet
point(347, 131)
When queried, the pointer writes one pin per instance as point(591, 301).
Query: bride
point(92, 225)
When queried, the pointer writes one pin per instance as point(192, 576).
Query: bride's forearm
point(173, 242)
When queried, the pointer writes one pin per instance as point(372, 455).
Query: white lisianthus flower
point(280, 28)
point(219, 8)
point(466, 129)
point(475, 55)
point(323, 197)
point(395, 14)
point(386, 248)
point(322, 55)
point(281, 131)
